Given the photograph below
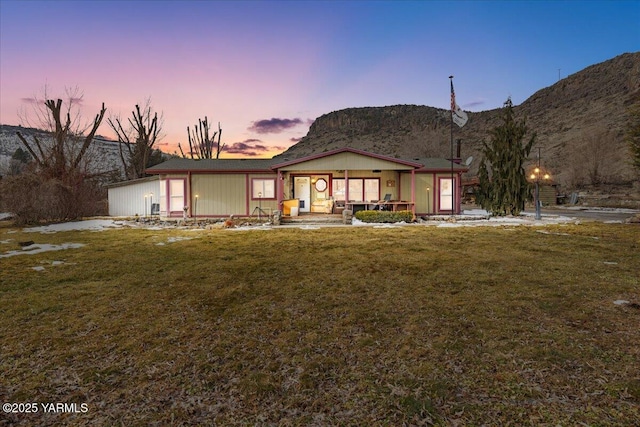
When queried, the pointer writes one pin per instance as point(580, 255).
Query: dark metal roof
point(439, 164)
point(213, 165)
point(132, 181)
point(177, 165)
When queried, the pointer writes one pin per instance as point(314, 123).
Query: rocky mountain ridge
point(579, 122)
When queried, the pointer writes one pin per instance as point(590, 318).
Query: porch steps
point(312, 219)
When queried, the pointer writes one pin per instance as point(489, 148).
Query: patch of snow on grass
point(309, 227)
point(475, 212)
point(92, 224)
point(37, 249)
point(555, 234)
point(250, 227)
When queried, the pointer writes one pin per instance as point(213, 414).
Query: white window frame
point(265, 186)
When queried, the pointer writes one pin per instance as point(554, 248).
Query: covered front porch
point(330, 182)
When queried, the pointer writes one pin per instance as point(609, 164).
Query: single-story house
point(135, 197)
point(322, 183)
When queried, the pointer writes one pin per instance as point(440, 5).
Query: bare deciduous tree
point(201, 144)
point(61, 185)
point(63, 155)
point(144, 131)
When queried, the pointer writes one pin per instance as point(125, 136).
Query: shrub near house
point(384, 216)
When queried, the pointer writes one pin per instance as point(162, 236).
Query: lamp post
point(428, 201)
point(145, 205)
point(536, 176)
point(151, 203)
point(260, 206)
point(195, 209)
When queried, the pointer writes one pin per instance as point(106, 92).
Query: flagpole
point(453, 195)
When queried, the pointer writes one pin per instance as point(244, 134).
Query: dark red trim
point(453, 194)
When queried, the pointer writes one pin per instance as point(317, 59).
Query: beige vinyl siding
point(220, 194)
point(423, 180)
point(226, 194)
point(346, 161)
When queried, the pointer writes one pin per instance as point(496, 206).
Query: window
point(355, 189)
point(372, 189)
point(176, 195)
point(446, 194)
point(263, 188)
point(171, 197)
point(360, 189)
point(338, 189)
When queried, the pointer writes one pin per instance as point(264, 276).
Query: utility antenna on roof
point(468, 161)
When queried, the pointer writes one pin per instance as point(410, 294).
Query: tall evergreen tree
point(503, 182)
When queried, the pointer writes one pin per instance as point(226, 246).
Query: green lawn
point(334, 326)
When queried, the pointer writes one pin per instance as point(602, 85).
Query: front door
point(172, 197)
point(302, 191)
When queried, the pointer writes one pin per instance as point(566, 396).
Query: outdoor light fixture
point(195, 208)
point(537, 176)
point(428, 200)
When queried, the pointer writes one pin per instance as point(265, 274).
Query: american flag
point(457, 115)
point(453, 98)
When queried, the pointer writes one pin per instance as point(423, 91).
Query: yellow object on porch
point(288, 204)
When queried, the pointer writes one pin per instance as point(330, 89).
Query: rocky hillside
point(579, 122)
point(104, 153)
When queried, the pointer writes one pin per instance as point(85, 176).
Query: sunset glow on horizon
point(267, 69)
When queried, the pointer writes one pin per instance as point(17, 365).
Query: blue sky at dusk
point(267, 69)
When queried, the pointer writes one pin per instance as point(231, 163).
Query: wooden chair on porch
point(381, 205)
